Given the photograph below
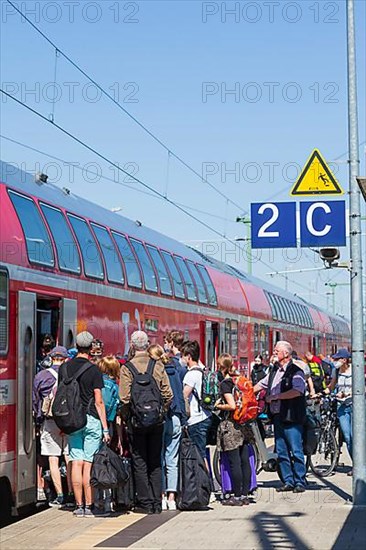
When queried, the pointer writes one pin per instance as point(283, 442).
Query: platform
point(320, 519)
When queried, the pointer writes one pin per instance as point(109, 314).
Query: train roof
point(26, 182)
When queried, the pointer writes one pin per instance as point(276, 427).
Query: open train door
point(26, 361)
point(210, 343)
point(68, 328)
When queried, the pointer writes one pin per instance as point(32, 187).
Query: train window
point(294, 312)
point(39, 248)
point(227, 335)
point(234, 338)
point(4, 311)
point(290, 316)
point(146, 266)
point(298, 311)
point(191, 291)
point(165, 284)
point(132, 269)
point(272, 305)
point(202, 296)
point(256, 338)
point(212, 298)
point(309, 318)
point(278, 308)
point(111, 259)
point(174, 273)
point(67, 252)
point(93, 266)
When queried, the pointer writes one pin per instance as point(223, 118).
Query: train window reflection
point(4, 311)
point(111, 259)
point(202, 296)
point(39, 248)
point(132, 269)
point(176, 278)
point(165, 285)
point(146, 266)
point(67, 252)
point(191, 291)
point(93, 266)
point(212, 298)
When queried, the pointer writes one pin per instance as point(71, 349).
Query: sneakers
point(164, 504)
point(57, 503)
point(79, 512)
point(299, 489)
point(172, 505)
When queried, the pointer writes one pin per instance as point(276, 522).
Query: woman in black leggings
point(232, 438)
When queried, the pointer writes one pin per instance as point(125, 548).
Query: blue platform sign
point(323, 223)
point(273, 225)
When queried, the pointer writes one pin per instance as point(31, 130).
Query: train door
point(69, 309)
point(211, 343)
point(26, 451)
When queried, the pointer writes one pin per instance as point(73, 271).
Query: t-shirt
point(89, 381)
point(193, 379)
point(226, 386)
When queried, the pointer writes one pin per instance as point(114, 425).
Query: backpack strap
point(53, 372)
point(194, 391)
point(133, 370)
point(77, 375)
point(151, 367)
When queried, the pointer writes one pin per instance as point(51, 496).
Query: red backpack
point(246, 403)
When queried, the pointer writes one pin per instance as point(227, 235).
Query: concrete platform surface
point(320, 519)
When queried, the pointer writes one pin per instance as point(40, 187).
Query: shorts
point(85, 443)
point(53, 442)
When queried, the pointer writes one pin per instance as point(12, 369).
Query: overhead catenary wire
point(144, 184)
point(112, 180)
point(130, 115)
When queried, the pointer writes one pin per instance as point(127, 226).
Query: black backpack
point(67, 410)
point(108, 470)
point(194, 487)
point(146, 405)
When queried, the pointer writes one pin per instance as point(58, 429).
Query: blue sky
point(173, 64)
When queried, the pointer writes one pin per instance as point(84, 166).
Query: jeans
point(345, 420)
point(170, 454)
point(289, 447)
point(240, 471)
point(146, 447)
point(198, 434)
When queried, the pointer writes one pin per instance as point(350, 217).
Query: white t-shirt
point(193, 379)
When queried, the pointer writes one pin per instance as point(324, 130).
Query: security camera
point(329, 256)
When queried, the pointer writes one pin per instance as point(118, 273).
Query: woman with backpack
point(176, 416)
point(232, 438)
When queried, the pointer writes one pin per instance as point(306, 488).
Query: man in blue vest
point(285, 386)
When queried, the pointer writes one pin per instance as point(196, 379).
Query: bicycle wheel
point(324, 461)
point(216, 466)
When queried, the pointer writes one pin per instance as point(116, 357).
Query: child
point(110, 368)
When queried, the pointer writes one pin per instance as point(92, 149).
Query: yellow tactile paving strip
point(104, 530)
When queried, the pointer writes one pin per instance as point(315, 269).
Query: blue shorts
point(84, 443)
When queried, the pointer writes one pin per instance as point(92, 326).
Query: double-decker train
point(67, 265)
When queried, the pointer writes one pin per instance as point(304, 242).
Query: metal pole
point(249, 249)
point(358, 375)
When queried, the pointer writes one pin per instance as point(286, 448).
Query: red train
point(67, 264)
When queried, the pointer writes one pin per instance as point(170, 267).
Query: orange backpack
point(246, 403)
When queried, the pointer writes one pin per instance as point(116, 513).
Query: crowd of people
point(141, 404)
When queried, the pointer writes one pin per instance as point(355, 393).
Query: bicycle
point(325, 460)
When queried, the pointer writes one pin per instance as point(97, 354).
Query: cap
point(84, 339)
point(139, 340)
point(342, 353)
point(59, 350)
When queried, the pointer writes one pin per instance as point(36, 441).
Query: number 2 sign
point(321, 223)
point(273, 225)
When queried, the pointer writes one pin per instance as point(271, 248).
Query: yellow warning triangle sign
point(316, 178)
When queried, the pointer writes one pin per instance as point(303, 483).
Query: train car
point(67, 265)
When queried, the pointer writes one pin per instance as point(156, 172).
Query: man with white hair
point(140, 379)
point(285, 386)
